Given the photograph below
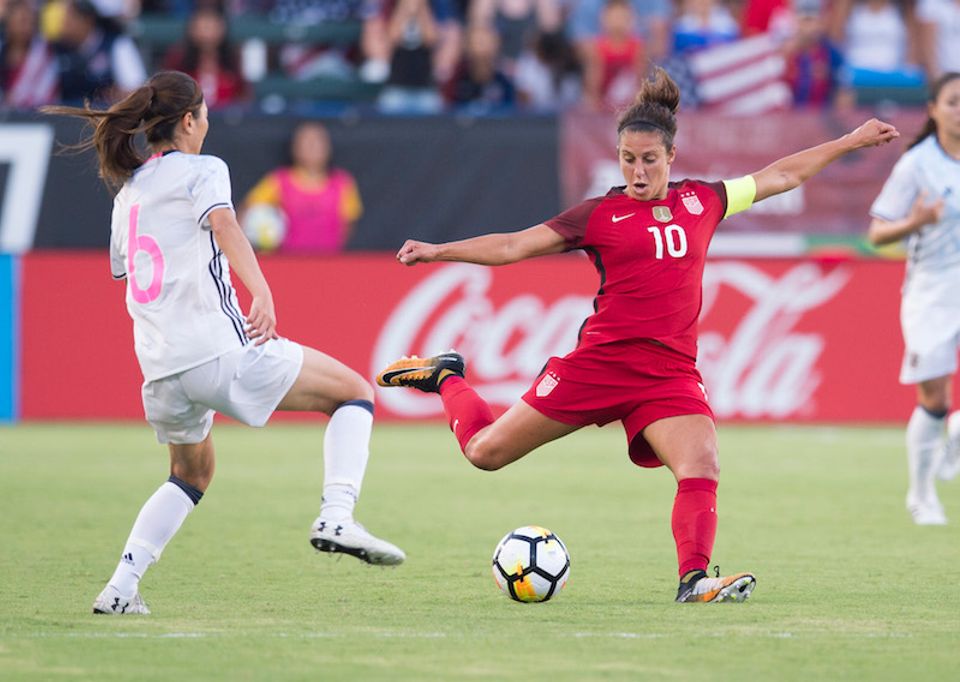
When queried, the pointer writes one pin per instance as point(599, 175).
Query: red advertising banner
point(711, 147)
point(781, 340)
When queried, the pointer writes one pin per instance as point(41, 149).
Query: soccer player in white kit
point(920, 202)
point(174, 238)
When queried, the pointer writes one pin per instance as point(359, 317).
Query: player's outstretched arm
point(921, 213)
point(489, 249)
point(792, 171)
point(262, 319)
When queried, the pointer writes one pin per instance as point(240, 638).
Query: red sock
point(694, 523)
point(466, 411)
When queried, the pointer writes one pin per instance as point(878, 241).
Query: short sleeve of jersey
point(209, 188)
point(898, 193)
point(572, 223)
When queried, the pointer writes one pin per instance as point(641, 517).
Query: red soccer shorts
point(636, 383)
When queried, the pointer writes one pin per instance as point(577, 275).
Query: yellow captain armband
point(740, 194)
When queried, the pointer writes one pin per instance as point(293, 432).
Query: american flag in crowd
point(741, 77)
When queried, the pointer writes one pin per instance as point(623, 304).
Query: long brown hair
point(930, 126)
point(654, 108)
point(153, 109)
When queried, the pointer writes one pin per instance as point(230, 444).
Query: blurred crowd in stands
point(480, 56)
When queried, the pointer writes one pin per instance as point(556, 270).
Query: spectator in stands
point(703, 23)
point(652, 23)
point(421, 41)
point(479, 85)
point(615, 61)
point(320, 203)
point(95, 59)
point(303, 60)
point(814, 64)
point(28, 70)
point(877, 46)
point(940, 36)
point(207, 55)
point(518, 24)
point(548, 76)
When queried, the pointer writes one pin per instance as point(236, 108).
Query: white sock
point(159, 520)
point(924, 441)
point(346, 449)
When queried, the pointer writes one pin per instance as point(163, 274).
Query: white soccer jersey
point(926, 168)
point(179, 294)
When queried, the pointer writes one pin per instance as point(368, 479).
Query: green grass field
point(848, 588)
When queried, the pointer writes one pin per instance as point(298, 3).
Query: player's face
point(946, 110)
point(645, 164)
point(194, 130)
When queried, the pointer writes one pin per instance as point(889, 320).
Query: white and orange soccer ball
point(265, 226)
point(531, 564)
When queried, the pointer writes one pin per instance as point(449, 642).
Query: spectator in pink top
point(320, 204)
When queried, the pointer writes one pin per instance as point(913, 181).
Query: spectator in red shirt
point(615, 60)
point(207, 54)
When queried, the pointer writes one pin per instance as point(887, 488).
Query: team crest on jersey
point(692, 203)
point(662, 213)
point(547, 384)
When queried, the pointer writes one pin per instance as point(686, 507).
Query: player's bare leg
point(191, 470)
point(687, 445)
point(519, 431)
point(925, 447)
point(327, 385)
point(487, 443)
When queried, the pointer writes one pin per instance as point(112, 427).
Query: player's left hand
point(262, 320)
point(872, 134)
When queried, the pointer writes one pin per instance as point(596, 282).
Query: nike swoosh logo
point(618, 218)
point(388, 377)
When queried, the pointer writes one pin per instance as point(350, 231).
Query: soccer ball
point(531, 564)
point(265, 226)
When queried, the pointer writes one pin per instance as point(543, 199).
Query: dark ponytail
point(153, 109)
point(930, 126)
point(654, 108)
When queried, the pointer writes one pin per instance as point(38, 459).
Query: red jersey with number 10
point(650, 257)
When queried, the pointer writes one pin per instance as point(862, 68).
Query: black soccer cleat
point(423, 374)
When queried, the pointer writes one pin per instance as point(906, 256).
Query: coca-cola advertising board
point(781, 340)
point(836, 201)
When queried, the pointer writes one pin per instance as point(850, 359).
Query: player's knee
point(704, 463)
point(362, 389)
point(485, 454)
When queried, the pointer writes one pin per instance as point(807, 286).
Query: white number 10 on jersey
point(673, 236)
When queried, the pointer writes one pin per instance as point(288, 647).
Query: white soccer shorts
point(930, 320)
point(246, 384)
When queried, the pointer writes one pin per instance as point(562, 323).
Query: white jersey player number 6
point(674, 237)
point(147, 244)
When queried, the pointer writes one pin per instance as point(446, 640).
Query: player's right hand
point(262, 320)
point(413, 252)
point(922, 213)
point(872, 133)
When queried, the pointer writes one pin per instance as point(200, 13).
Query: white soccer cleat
point(949, 465)
point(349, 537)
point(110, 602)
point(926, 511)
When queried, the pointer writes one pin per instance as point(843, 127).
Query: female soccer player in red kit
point(636, 357)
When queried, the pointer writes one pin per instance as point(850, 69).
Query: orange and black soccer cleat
point(423, 374)
point(699, 588)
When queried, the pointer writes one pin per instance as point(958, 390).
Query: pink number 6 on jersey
point(146, 243)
